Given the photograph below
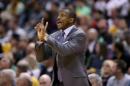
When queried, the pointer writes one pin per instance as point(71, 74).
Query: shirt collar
point(68, 30)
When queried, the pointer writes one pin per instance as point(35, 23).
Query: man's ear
point(71, 20)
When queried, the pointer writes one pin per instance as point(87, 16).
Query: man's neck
point(67, 26)
point(119, 76)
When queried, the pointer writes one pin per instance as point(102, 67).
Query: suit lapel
point(72, 31)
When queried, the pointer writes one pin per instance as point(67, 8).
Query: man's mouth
point(59, 22)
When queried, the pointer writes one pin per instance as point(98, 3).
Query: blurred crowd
point(106, 23)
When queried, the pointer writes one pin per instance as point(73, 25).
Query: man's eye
point(62, 15)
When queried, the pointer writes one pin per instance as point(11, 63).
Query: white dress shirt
point(67, 31)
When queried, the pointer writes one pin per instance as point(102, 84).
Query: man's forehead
point(66, 11)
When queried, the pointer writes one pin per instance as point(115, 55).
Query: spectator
point(92, 40)
point(121, 54)
point(7, 77)
point(84, 22)
point(102, 28)
point(18, 52)
point(15, 7)
point(33, 66)
point(107, 71)
point(30, 49)
point(15, 29)
point(24, 80)
point(95, 60)
point(120, 77)
point(45, 80)
point(6, 63)
point(22, 67)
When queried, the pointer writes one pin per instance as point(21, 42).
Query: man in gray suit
point(68, 46)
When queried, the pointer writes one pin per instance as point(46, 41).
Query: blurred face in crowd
point(22, 66)
point(4, 63)
point(6, 78)
point(107, 68)
point(84, 23)
point(22, 82)
point(2, 30)
point(114, 13)
point(23, 44)
point(30, 48)
point(115, 69)
point(102, 24)
point(122, 24)
point(5, 82)
point(45, 80)
point(92, 34)
point(13, 24)
point(64, 20)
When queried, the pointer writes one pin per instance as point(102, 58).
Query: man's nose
point(58, 17)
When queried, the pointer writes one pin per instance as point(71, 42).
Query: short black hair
point(71, 13)
point(121, 65)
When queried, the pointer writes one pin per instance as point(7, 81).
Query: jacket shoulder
point(79, 32)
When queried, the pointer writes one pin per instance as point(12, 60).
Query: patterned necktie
point(61, 38)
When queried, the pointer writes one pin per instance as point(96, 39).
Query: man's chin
point(59, 27)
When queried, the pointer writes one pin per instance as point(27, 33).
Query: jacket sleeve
point(75, 45)
point(42, 51)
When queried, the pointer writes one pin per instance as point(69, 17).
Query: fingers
point(42, 21)
point(40, 26)
point(46, 25)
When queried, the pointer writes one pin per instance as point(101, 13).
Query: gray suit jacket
point(70, 56)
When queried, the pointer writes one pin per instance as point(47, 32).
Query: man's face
point(4, 63)
point(115, 69)
point(5, 80)
point(44, 82)
point(63, 20)
point(107, 69)
point(22, 82)
point(92, 36)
